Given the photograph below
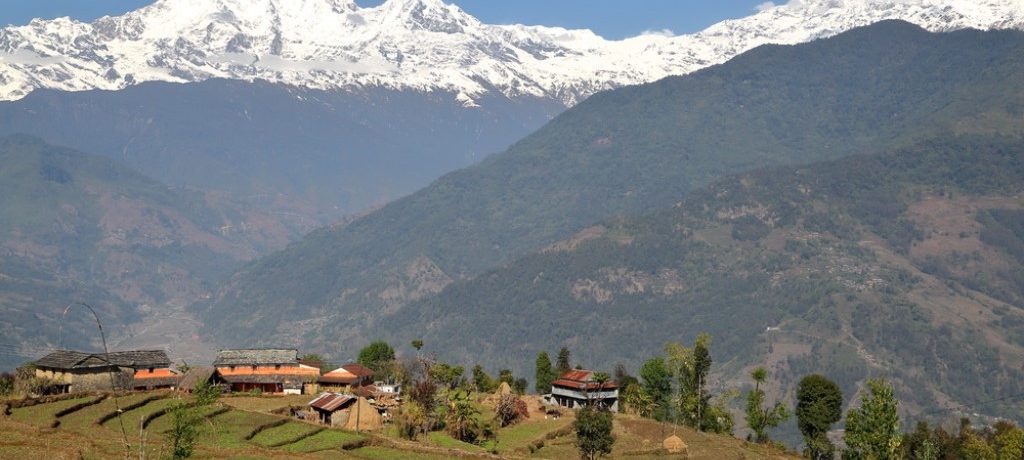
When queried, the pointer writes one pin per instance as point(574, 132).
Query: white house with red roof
point(578, 388)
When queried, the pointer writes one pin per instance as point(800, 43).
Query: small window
point(253, 367)
point(231, 367)
point(151, 370)
point(277, 366)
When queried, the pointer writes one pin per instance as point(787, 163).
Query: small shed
point(333, 408)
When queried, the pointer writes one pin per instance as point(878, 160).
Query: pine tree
point(564, 357)
point(544, 373)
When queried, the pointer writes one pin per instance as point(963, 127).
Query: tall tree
point(564, 357)
point(657, 384)
point(482, 381)
point(593, 433)
point(759, 417)
point(377, 356)
point(691, 366)
point(873, 429)
point(544, 373)
point(819, 404)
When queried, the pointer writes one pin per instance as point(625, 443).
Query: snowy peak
point(423, 45)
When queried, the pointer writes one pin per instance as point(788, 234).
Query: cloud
point(660, 32)
point(28, 57)
point(765, 6)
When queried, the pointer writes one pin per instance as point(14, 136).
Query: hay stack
point(369, 418)
point(495, 398)
point(674, 445)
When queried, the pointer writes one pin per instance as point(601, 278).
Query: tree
point(622, 377)
point(505, 375)
point(377, 356)
point(819, 404)
point(593, 433)
point(657, 383)
point(417, 344)
point(873, 429)
point(691, 366)
point(544, 374)
point(520, 385)
point(760, 418)
point(1010, 444)
point(481, 381)
point(186, 419)
point(447, 375)
point(636, 401)
point(461, 420)
point(564, 357)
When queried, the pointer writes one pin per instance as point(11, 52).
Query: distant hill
point(628, 151)
point(311, 155)
point(77, 227)
point(905, 265)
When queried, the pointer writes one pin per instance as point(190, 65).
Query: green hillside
point(905, 265)
point(624, 152)
point(76, 227)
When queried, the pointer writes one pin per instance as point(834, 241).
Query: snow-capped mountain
point(417, 44)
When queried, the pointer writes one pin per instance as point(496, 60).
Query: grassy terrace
point(228, 433)
point(44, 415)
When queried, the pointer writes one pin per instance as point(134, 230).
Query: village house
point(275, 371)
point(75, 371)
point(577, 388)
point(346, 377)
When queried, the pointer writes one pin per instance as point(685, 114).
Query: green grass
point(84, 420)
point(385, 453)
point(324, 440)
point(44, 414)
point(230, 429)
point(266, 404)
point(522, 434)
point(132, 417)
point(441, 439)
point(163, 423)
point(277, 435)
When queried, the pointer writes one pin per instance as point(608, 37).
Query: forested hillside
point(628, 151)
point(77, 227)
point(904, 264)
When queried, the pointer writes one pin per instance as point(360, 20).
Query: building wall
point(83, 380)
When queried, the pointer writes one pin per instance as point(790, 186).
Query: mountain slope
point(905, 265)
point(629, 151)
point(75, 227)
point(425, 45)
point(310, 154)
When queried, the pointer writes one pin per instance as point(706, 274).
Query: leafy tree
point(819, 404)
point(6, 384)
point(482, 381)
point(657, 384)
point(186, 419)
point(691, 366)
point(873, 429)
point(447, 375)
point(544, 374)
point(520, 385)
point(622, 376)
point(593, 433)
point(973, 448)
point(564, 358)
point(637, 401)
point(462, 418)
point(1010, 444)
point(505, 375)
point(417, 344)
point(760, 418)
point(377, 356)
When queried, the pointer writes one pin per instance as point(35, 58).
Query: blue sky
point(609, 18)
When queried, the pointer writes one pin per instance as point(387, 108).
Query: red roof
point(582, 380)
point(331, 401)
point(358, 369)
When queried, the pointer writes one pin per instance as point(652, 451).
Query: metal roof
point(331, 401)
point(137, 359)
point(582, 380)
point(254, 357)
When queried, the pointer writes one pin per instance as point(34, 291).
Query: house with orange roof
point(267, 370)
point(346, 377)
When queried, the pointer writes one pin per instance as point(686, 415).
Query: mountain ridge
point(416, 44)
point(629, 151)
